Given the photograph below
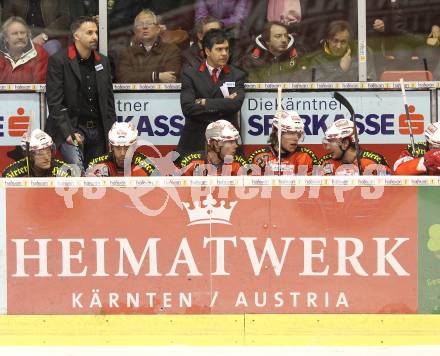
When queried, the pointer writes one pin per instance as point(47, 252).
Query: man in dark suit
point(212, 91)
point(80, 96)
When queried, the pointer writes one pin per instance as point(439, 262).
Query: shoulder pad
point(101, 159)
point(376, 157)
point(186, 160)
point(240, 159)
point(257, 152)
point(324, 158)
point(420, 149)
point(16, 169)
point(61, 169)
point(144, 162)
point(58, 163)
point(310, 153)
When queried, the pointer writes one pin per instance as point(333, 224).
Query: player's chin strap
point(216, 150)
point(343, 154)
point(343, 151)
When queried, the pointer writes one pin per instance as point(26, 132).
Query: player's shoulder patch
point(310, 153)
point(324, 158)
point(59, 163)
point(420, 148)
point(16, 169)
point(61, 169)
point(375, 157)
point(258, 152)
point(186, 160)
point(144, 162)
point(240, 159)
point(101, 159)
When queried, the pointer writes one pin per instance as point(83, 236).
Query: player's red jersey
point(299, 162)
point(372, 163)
point(104, 166)
point(411, 162)
point(197, 164)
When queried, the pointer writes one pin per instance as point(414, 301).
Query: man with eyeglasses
point(149, 59)
point(39, 159)
point(337, 60)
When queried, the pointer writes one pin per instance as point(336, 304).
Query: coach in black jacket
point(80, 96)
point(212, 91)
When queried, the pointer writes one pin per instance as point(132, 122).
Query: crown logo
point(210, 213)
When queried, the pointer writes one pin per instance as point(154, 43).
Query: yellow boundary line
point(224, 330)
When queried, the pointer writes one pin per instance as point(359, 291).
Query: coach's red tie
point(214, 75)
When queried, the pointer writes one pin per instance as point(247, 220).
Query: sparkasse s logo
point(15, 125)
point(416, 120)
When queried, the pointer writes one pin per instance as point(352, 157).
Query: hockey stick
point(408, 119)
point(76, 144)
point(28, 143)
point(279, 110)
point(343, 101)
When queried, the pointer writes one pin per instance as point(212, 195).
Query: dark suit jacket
point(63, 83)
point(197, 84)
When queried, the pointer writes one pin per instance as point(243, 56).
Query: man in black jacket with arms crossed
point(210, 92)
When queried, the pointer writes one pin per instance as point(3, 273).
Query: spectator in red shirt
point(21, 61)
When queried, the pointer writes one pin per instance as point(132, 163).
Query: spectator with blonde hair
point(48, 20)
point(338, 60)
point(21, 61)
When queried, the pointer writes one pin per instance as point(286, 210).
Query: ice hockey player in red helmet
point(39, 161)
point(339, 140)
point(295, 159)
point(219, 157)
point(122, 139)
point(424, 159)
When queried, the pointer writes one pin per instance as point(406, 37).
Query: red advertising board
point(226, 250)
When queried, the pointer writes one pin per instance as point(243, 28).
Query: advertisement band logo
point(17, 125)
